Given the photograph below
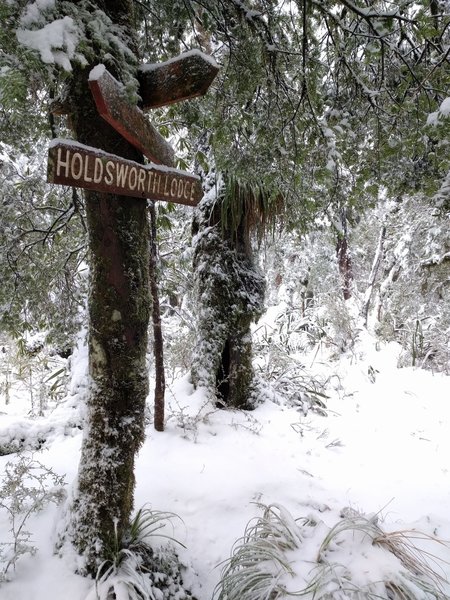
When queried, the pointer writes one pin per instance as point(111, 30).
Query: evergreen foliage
point(323, 106)
point(42, 239)
point(314, 103)
point(316, 100)
point(411, 303)
point(41, 236)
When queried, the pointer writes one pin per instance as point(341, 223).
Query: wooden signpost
point(69, 163)
point(77, 165)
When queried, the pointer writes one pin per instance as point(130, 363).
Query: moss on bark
point(119, 310)
point(230, 290)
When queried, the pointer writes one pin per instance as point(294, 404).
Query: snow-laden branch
point(369, 14)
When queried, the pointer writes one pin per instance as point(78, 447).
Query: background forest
point(322, 148)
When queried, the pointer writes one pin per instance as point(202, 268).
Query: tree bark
point(119, 309)
point(158, 343)
point(230, 289)
point(373, 274)
point(344, 258)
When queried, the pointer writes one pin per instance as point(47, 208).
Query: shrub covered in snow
point(26, 487)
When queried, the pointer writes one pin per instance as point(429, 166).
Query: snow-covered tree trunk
point(344, 258)
point(230, 294)
point(119, 309)
point(373, 274)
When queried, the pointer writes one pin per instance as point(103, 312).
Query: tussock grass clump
point(136, 569)
point(260, 558)
point(281, 557)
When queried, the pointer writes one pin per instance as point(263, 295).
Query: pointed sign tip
point(186, 76)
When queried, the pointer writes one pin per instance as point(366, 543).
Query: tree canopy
point(325, 103)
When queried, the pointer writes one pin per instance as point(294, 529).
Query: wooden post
point(70, 163)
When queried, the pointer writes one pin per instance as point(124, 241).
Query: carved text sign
point(73, 164)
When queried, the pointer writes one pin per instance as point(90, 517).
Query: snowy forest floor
point(383, 448)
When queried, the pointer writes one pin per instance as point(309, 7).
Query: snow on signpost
point(186, 76)
point(76, 165)
point(69, 163)
point(128, 119)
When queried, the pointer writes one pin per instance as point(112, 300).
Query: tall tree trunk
point(344, 258)
point(230, 289)
point(373, 274)
point(119, 309)
point(158, 344)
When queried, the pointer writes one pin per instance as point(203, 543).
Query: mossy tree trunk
point(230, 292)
point(119, 309)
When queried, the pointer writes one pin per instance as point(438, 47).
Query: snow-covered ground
point(383, 448)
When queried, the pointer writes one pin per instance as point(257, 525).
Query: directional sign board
point(73, 164)
point(126, 118)
point(70, 163)
point(180, 78)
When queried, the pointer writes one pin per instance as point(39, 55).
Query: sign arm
point(73, 164)
point(128, 119)
point(70, 163)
